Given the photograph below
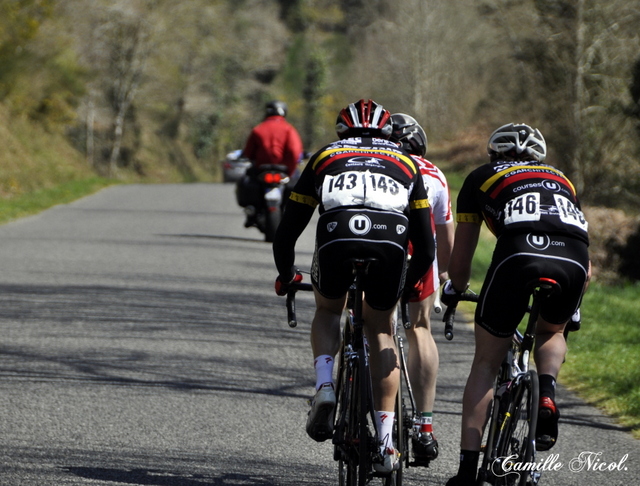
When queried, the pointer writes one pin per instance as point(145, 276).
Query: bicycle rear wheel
point(517, 442)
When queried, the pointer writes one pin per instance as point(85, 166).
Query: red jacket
point(274, 141)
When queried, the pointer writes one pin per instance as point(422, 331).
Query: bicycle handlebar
point(404, 309)
point(291, 301)
point(450, 313)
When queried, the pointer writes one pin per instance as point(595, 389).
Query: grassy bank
point(30, 203)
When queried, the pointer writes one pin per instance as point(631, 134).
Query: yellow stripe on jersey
point(419, 204)
point(324, 155)
point(302, 199)
point(468, 218)
point(489, 182)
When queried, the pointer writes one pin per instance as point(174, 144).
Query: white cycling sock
point(384, 421)
point(323, 365)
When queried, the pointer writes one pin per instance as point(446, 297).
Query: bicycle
point(410, 417)
point(355, 437)
point(509, 451)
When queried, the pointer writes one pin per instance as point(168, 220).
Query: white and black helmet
point(408, 132)
point(517, 141)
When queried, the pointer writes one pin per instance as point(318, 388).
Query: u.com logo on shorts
point(360, 224)
point(538, 242)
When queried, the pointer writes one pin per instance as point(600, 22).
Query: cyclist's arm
point(444, 245)
point(465, 242)
point(295, 218)
point(421, 236)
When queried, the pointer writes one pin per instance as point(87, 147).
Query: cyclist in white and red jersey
point(371, 202)
point(534, 211)
point(423, 360)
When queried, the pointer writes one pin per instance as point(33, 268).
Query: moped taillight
point(272, 178)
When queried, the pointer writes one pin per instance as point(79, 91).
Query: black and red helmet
point(364, 118)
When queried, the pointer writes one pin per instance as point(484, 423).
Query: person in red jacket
point(274, 141)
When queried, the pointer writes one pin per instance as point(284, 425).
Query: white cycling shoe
point(390, 461)
point(320, 419)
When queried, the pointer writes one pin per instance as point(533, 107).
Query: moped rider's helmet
point(517, 141)
point(364, 118)
point(276, 108)
point(408, 133)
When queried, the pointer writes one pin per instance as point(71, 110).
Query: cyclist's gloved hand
point(282, 285)
point(450, 296)
point(574, 323)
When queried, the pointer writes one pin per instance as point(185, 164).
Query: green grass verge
point(41, 199)
point(603, 362)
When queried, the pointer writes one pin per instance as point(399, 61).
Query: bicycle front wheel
point(517, 445)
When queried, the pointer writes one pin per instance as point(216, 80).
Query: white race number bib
point(367, 189)
point(569, 212)
point(525, 207)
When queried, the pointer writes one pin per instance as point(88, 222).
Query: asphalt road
point(141, 344)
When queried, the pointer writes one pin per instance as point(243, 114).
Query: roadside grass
point(33, 202)
point(603, 360)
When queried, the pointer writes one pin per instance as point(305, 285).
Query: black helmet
point(517, 141)
point(364, 119)
point(408, 133)
point(276, 108)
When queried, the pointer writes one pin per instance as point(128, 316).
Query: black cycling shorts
point(520, 259)
point(344, 234)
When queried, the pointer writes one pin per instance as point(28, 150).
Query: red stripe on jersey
point(527, 175)
point(402, 166)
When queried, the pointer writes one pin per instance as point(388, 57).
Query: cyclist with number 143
point(371, 201)
point(534, 211)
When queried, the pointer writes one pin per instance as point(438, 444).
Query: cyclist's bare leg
point(550, 348)
point(385, 368)
point(489, 352)
point(325, 327)
point(423, 360)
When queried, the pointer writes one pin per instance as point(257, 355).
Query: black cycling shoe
point(458, 481)
point(425, 448)
point(547, 429)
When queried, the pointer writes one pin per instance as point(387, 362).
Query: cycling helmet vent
point(517, 141)
point(364, 118)
point(408, 133)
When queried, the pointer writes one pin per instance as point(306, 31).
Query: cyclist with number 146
point(534, 211)
point(371, 201)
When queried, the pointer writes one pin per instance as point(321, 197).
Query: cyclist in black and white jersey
point(371, 200)
point(535, 213)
